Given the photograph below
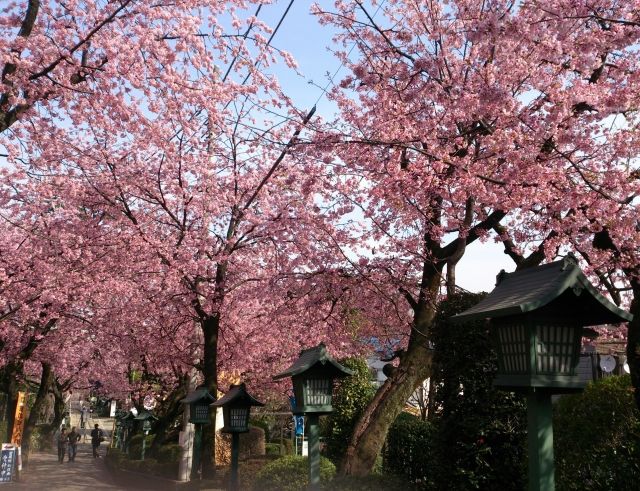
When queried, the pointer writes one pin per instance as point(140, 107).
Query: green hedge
point(352, 395)
point(274, 449)
point(597, 437)
point(291, 473)
point(169, 453)
point(135, 445)
point(409, 450)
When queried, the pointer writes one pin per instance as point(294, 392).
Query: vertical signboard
point(7, 462)
point(18, 422)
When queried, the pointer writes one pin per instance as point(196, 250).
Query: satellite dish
point(625, 367)
point(607, 363)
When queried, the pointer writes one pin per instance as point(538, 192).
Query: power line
point(331, 77)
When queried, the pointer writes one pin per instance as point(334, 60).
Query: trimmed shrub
point(408, 451)
point(265, 422)
point(597, 437)
point(274, 449)
point(114, 459)
point(251, 444)
point(291, 473)
point(169, 453)
point(135, 445)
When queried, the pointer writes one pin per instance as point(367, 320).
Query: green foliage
point(135, 445)
point(40, 439)
point(169, 453)
point(481, 431)
point(597, 437)
point(351, 397)
point(265, 422)
point(291, 473)
point(408, 451)
point(274, 449)
point(368, 483)
point(114, 458)
point(476, 439)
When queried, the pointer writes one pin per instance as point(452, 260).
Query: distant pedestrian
point(73, 438)
point(62, 444)
point(97, 437)
point(83, 417)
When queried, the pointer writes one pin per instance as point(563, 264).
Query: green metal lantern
point(313, 375)
point(236, 406)
point(145, 418)
point(538, 317)
point(199, 402)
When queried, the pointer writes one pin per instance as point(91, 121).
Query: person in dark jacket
point(62, 444)
point(73, 438)
point(96, 437)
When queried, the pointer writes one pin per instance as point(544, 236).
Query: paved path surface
point(47, 474)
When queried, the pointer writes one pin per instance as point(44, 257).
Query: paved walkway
point(46, 473)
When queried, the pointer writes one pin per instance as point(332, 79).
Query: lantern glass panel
point(318, 392)
point(238, 417)
point(201, 412)
point(513, 341)
point(555, 349)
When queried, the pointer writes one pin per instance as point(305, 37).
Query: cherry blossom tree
point(466, 118)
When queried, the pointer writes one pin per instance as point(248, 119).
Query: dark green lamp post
point(199, 402)
point(313, 374)
point(118, 440)
point(127, 423)
point(145, 417)
point(538, 318)
point(236, 406)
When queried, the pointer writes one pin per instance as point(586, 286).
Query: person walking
point(73, 438)
point(96, 438)
point(83, 417)
point(62, 444)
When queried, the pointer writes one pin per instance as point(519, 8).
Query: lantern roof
point(200, 394)
point(144, 415)
point(312, 358)
point(126, 416)
point(237, 394)
point(559, 289)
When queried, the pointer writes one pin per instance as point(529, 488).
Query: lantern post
point(145, 417)
point(538, 319)
point(199, 402)
point(313, 375)
point(236, 408)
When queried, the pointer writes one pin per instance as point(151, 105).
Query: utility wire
point(331, 77)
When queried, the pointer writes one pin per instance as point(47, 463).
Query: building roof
point(312, 357)
point(558, 289)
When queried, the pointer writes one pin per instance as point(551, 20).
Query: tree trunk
point(372, 427)
point(172, 411)
point(41, 398)
point(10, 386)
point(210, 326)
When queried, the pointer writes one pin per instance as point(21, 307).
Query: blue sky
point(303, 37)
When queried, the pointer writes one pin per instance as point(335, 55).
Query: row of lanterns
point(538, 318)
point(312, 375)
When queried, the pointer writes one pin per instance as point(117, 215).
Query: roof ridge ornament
point(500, 276)
point(569, 260)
